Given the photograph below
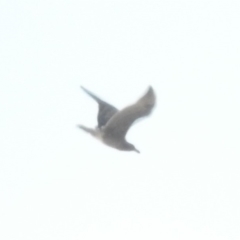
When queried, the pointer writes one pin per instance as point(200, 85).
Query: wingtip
point(150, 89)
point(85, 90)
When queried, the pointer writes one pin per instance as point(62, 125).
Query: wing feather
point(105, 110)
point(120, 123)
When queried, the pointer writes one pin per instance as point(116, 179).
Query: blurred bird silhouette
point(113, 124)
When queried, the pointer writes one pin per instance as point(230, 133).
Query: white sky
point(56, 182)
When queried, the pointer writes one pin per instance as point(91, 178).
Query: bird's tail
point(88, 130)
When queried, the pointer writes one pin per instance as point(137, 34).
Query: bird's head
point(136, 150)
point(130, 147)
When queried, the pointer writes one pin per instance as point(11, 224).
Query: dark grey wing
point(105, 110)
point(119, 124)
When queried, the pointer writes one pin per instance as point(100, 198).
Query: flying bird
point(113, 124)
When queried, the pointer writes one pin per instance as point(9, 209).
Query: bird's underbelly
point(112, 142)
point(108, 140)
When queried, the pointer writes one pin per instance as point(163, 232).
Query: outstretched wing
point(119, 124)
point(105, 110)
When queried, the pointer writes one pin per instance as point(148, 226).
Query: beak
point(136, 150)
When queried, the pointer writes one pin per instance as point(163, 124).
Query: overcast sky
point(57, 182)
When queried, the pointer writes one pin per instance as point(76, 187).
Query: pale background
point(56, 182)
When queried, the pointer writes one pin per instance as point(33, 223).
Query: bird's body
point(114, 124)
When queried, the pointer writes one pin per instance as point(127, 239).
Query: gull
point(113, 124)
